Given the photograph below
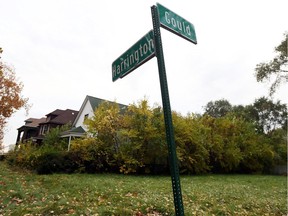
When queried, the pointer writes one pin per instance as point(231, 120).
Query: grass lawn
point(24, 193)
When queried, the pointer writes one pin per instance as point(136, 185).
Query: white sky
point(62, 50)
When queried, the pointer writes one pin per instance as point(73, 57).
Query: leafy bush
point(192, 146)
point(142, 141)
point(134, 142)
point(91, 155)
point(24, 155)
point(50, 162)
point(53, 138)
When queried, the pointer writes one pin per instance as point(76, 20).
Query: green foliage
point(225, 153)
point(105, 124)
point(277, 140)
point(134, 142)
point(91, 155)
point(265, 114)
point(192, 146)
point(142, 139)
point(53, 138)
point(276, 68)
point(44, 159)
point(218, 108)
point(52, 161)
point(269, 115)
point(23, 156)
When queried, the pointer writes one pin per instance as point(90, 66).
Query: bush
point(23, 155)
point(49, 163)
point(134, 142)
point(55, 162)
point(92, 156)
point(53, 138)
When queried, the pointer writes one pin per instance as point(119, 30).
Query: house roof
point(32, 123)
point(78, 130)
point(74, 132)
point(95, 102)
point(61, 116)
point(55, 112)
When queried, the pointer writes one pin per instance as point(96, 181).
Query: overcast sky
point(62, 50)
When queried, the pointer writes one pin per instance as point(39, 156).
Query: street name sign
point(142, 51)
point(176, 24)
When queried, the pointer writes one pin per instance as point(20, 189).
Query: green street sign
point(176, 24)
point(142, 51)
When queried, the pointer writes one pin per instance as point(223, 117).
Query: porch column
point(18, 137)
point(69, 143)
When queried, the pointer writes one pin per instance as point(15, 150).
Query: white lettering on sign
point(132, 59)
point(177, 24)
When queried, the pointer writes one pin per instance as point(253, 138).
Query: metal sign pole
point(178, 203)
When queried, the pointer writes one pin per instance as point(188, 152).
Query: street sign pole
point(178, 203)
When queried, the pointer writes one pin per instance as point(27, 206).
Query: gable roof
point(95, 102)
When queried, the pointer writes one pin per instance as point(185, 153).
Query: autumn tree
point(276, 69)
point(218, 108)
point(11, 99)
point(105, 124)
point(191, 141)
point(143, 141)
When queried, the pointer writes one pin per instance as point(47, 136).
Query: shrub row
point(134, 142)
point(47, 160)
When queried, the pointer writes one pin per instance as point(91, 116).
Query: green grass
point(25, 193)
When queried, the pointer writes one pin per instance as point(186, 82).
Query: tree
point(11, 99)
point(218, 108)
point(143, 141)
point(265, 114)
point(103, 144)
point(269, 115)
point(106, 123)
point(191, 141)
point(278, 67)
point(53, 138)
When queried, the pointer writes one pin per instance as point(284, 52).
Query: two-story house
point(29, 130)
point(87, 109)
point(36, 129)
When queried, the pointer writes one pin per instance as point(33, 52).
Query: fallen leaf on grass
point(139, 214)
point(101, 199)
point(154, 214)
point(18, 201)
point(71, 211)
point(134, 194)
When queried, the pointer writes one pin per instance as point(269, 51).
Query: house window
point(45, 129)
point(86, 116)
